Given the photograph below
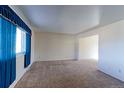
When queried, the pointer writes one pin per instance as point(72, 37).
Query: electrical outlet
point(119, 71)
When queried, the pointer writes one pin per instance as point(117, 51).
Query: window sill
point(20, 54)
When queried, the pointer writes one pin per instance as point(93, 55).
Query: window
point(20, 41)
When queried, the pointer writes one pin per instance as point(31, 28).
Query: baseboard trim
point(108, 74)
point(56, 60)
point(16, 81)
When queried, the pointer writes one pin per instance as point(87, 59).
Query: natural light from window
point(20, 41)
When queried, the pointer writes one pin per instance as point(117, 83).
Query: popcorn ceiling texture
point(67, 74)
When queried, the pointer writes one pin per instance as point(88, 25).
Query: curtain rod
point(8, 19)
point(12, 22)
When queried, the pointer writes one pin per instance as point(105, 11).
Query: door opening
point(88, 47)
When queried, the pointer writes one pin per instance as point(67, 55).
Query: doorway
point(88, 47)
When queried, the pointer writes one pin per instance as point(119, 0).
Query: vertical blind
point(8, 24)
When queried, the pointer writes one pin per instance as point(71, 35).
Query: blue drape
point(8, 45)
point(7, 12)
point(28, 50)
point(7, 53)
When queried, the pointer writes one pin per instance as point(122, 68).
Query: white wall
point(111, 48)
point(111, 51)
point(20, 65)
point(32, 46)
point(88, 47)
point(54, 46)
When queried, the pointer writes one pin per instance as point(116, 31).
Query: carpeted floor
point(67, 74)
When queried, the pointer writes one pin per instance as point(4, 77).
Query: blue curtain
point(7, 53)
point(7, 12)
point(28, 50)
point(8, 45)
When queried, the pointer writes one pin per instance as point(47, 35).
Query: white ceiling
point(71, 19)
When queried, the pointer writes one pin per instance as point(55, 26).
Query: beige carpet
point(66, 74)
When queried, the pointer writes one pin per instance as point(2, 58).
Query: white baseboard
point(15, 82)
point(57, 60)
point(109, 74)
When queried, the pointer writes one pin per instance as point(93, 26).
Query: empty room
point(61, 46)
